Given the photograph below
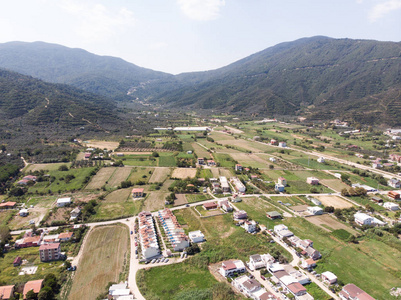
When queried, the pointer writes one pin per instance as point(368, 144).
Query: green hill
point(35, 102)
point(318, 77)
point(103, 75)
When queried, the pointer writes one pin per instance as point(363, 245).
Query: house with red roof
point(34, 285)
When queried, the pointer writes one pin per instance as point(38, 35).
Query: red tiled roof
point(296, 287)
point(210, 204)
point(65, 235)
point(49, 246)
point(5, 291)
point(137, 190)
point(228, 265)
point(35, 285)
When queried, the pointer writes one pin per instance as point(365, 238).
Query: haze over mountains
point(317, 77)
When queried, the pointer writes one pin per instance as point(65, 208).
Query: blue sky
point(193, 35)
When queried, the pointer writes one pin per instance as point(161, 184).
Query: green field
point(9, 273)
point(167, 160)
point(60, 183)
point(158, 283)
point(139, 160)
point(197, 197)
point(117, 210)
point(6, 216)
point(225, 160)
point(345, 259)
point(140, 174)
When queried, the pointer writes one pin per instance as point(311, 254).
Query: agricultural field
point(155, 201)
point(101, 144)
point(180, 199)
point(158, 283)
point(6, 216)
point(328, 223)
point(250, 160)
point(138, 160)
point(182, 173)
point(335, 201)
point(140, 174)
point(225, 160)
point(104, 257)
point(167, 159)
point(120, 174)
point(191, 198)
point(100, 179)
point(160, 175)
point(200, 151)
point(205, 173)
point(121, 195)
point(335, 184)
point(48, 167)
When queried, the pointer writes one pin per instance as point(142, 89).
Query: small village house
point(61, 202)
point(6, 292)
point(137, 192)
point(312, 180)
point(210, 205)
point(49, 252)
point(329, 277)
point(34, 285)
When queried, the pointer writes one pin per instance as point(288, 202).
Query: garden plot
point(100, 178)
point(182, 173)
point(49, 167)
point(120, 195)
point(180, 199)
point(200, 151)
point(160, 175)
point(335, 201)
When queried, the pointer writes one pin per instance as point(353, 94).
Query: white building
point(196, 236)
point(364, 219)
point(191, 128)
point(61, 202)
point(75, 213)
point(282, 144)
point(258, 261)
point(315, 210)
point(320, 160)
point(174, 232)
point(329, 277)
point(239, 186)
point(23, 212)
point(224, 184)
point(282, 231)
point(272, 159)
point(229, 267)
point(250, 226)
point(391, 206)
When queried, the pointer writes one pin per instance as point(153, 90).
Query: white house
point(320, 160)
point(75, 213)
point(256, 262)
point(391, 206)
point(282, 144)
point(315, 210)
point(364, 219)
point(23, 212)
point(329, 277)
point(250, 226)
point(61, 202)
point(312, 180)
point(196, 236)
point(394, 183)
point(272, 159)
point(229, 267)
point(282, 231)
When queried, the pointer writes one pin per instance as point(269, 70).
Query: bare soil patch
point(328, 221)
point(102, 144)
point(200, 151)
point(160, 175)
point(334, 201)
point(181, 199)
point(183, 173)
point(334, 184)
point(233, 130)
point(225, 172)
point(299, 208)
point(61, 214)
point(155, 201)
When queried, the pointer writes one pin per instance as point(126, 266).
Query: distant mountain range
point(316, 77)
point(103, 75)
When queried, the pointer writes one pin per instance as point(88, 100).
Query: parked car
point(132, 232)
point(186, 205)
point(166, 261)
point(263, 277)
point(153, 261)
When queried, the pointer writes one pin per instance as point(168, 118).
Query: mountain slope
point(40, 103)
point(314, 76)
point(103, 75)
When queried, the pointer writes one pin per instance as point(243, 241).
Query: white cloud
point(96, 21)
point(201, 10)
point(381, 9)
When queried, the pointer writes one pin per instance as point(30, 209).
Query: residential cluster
point(175, 234)
point(148, 235)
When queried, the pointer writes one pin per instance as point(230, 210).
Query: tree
point(46, 293)
point(329, 209)
point(31, 295)
point(344, 192)
point(63, 168)
point(155, 154)
point(50, 281)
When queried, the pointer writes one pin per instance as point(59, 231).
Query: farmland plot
point(183, 173)
point(121, 174)
point(334, 201)
point(100, 178)
point(103, 259)
point(160, 175)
